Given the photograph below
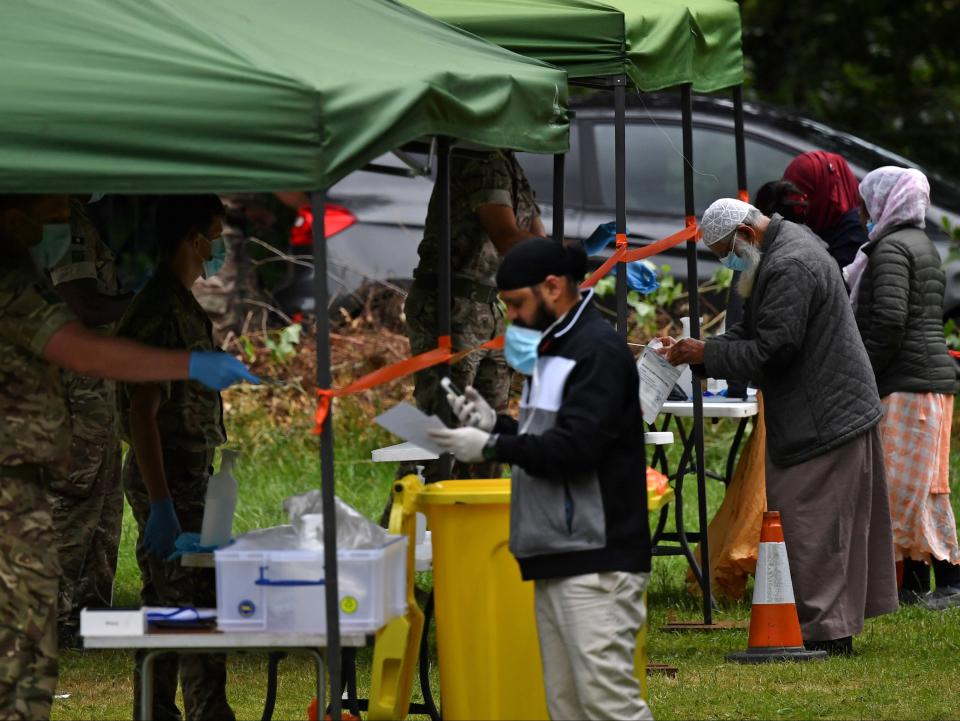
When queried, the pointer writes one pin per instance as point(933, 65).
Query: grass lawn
point(906, 666)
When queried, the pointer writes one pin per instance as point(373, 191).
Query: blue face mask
point(218, 256)
point(734, 262)
point(870, 227)
point(520, 348)
point(53, 245)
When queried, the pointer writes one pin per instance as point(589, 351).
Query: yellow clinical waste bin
point(486, 628)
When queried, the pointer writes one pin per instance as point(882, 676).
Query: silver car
point(379, 217)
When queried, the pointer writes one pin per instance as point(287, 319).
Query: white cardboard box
point(110, 622)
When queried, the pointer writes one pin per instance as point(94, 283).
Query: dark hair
point(180, 216)
point(781, 196)
point(576, 263)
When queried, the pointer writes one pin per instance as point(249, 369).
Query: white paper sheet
point(657, 377)
point(411, 424)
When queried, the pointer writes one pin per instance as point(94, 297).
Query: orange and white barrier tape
point(443, 353)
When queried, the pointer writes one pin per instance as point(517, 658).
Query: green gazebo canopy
point(657, 43)
point(143, 96)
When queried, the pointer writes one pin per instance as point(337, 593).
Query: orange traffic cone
point(774, 624)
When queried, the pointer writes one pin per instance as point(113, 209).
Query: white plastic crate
point(284, 591)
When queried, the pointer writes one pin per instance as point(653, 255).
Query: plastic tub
point(284, 591)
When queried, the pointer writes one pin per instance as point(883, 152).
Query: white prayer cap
point(722, 218)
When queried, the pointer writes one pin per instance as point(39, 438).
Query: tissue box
point(283, 591)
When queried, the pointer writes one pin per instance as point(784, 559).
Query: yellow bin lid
point(487, 490)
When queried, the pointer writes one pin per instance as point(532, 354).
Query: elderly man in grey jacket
point(799, 343)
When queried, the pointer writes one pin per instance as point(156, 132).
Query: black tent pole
point(444, 281)
point(444, 284)
point(740, 142)
point(325, 380)
point(620, 155)
point(693, 284)
point(734, 301)
point(558, 203)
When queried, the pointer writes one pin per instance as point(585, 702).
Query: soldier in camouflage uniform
point(174, 429)
point(38, 333)
point(34, 436)
point(492, 208)
point(87, 502)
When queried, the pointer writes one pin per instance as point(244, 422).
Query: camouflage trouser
point(472, 324)
point(168, 583)
point(28, 595)
point(87, 509)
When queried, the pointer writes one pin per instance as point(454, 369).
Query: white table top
point(409, 452)
point(658, 438)
point(714, 407)
point(213, 639)
point(406, 451)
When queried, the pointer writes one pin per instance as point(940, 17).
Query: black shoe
point(833, 647)
point(942, 599)
point(68, 638)
point(910, 598)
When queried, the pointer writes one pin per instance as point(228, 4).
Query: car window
point(655, 166)
point(539, 170)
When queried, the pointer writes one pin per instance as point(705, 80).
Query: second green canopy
point(657, 43)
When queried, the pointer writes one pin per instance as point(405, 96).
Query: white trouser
point(588, 629)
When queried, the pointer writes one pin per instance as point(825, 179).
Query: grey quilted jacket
point(899, 309)
point(799, 343)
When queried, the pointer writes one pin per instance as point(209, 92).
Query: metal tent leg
point(734, 301)
point(325, 380)
point(693, 282)
point(559, 162)
point(444, 280)
point(620, 155)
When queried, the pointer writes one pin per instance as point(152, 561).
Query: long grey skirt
point(836, 525)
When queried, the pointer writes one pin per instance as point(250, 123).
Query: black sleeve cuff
point(505, 425)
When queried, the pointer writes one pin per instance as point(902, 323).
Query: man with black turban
point(578, 514)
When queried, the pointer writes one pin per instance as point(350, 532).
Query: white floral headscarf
point(895, 197)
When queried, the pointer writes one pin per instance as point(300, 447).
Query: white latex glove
point(472, 410)
point(464, 443)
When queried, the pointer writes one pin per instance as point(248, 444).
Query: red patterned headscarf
point(830, 185)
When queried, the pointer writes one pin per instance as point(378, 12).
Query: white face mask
point(52, 246)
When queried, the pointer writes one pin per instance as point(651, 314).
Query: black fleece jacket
point(582, 459)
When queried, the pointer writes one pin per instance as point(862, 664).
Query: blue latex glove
point(189, 543)
point(641, 278)
point(605, 234)
point(219, 370)
point(163, 527)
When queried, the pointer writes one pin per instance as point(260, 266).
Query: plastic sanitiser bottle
point(220, 503)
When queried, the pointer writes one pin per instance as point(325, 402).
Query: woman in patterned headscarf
point(897, 287)
point(833, 201)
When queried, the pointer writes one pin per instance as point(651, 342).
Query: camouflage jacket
point(34, 426)
point(91, 401)
point(166, 315)
point(88, 256)
point(497, 180)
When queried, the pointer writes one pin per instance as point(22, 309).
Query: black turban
point(531, 261)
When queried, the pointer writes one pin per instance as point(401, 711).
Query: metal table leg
point(317, 654)
point(146, 684)
point(734, 449)
point(682, 470)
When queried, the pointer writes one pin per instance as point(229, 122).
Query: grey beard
point(748, 276)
